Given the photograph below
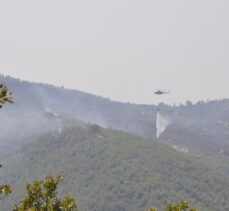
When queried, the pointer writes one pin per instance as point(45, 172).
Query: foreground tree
point(180, 206)
point(5, 97)
point(42, 196)
point(5, 190)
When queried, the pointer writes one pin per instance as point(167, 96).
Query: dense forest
point(112, 170)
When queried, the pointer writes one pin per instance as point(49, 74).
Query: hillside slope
point(113, 171)
point(35, 98)
point(200, 130)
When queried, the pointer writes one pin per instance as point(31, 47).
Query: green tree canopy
point(180, 206)
point(42, 196)
point(5, 190)
point(5, 95)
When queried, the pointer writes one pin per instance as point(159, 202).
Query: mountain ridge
point(197, 128)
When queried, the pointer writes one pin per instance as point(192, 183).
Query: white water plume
point(161, 124)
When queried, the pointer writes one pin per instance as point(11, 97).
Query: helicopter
point(161, 92)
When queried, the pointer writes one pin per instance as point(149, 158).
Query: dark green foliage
point(117, 171)
point(94, 130)
point(5, 190)
point(5, 95)
point(180, 206)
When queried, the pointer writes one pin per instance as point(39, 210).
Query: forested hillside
point(110, 105)
point(111, 170)
point(200, 129)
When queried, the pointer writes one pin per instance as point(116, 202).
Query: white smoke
point(161, 124)
point(180, 149)
point(57, 119)
point(60, 125)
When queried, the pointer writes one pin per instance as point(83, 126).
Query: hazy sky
point(121, 49)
